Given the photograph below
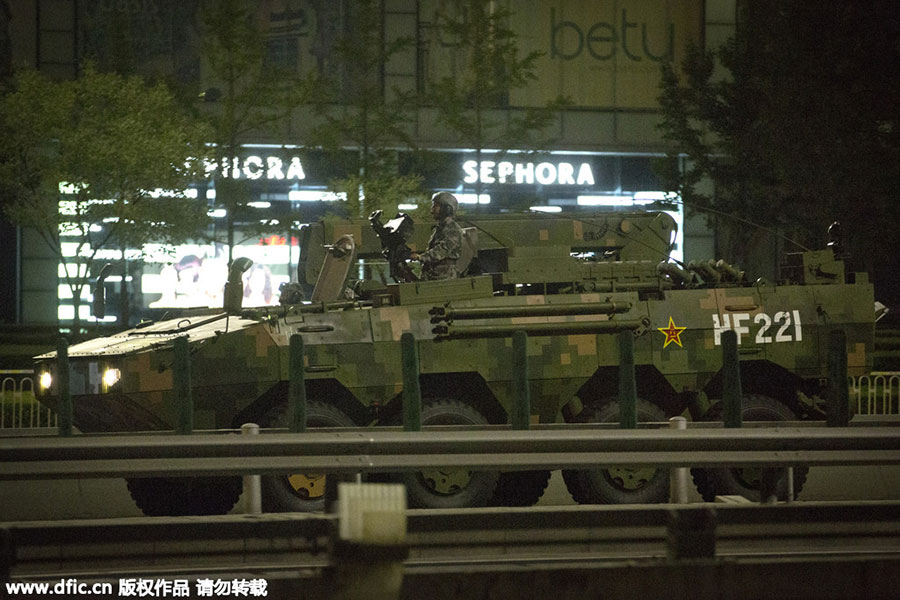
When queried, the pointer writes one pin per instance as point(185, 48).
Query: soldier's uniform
point(444, 249)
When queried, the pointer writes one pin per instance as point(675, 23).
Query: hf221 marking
point(787, 324)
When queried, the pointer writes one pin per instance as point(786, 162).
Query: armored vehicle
point(566, 280)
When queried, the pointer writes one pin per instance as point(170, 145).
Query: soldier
point(445, 245)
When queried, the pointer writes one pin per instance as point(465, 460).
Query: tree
point(356, 109)
point(794, 123)
point(255, 95)
point(488, 68)
point(80, 163)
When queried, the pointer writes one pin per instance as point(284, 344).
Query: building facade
point(596, 154)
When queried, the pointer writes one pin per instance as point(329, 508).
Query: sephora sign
point(259, 167)
point(528, 173)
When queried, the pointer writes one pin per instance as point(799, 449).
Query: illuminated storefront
point(287, 182)
point(193, 274)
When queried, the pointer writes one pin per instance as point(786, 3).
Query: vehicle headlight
point(110, 377)
point(45, 381)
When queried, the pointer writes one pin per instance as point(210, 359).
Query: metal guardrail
point(18, 407)
point(808, 550)
point(373, 450)
point(612, 532)
point(877, 393)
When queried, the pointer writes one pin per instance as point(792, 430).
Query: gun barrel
point(441, 313)
point(538, 329)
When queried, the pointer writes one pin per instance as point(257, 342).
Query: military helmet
point(447, 199)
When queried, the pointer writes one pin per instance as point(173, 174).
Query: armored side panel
point(437, 292)
point(234, 360)
point(332, 278)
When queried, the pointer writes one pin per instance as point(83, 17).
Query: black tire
point(299, 492)
point(726, 481)
point(648, 485)
point(520, 488)
point(181, 496)
point(449, 488)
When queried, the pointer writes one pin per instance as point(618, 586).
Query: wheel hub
point(308, 486)
point(630, 479)
point(446, 482)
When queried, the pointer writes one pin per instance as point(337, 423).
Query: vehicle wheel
point(520, 488)
point(180, 496)
point(645, 485)
point(299, 492)
point(449, 488)
point(745, 481)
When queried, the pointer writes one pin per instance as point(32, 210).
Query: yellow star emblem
point(673, 333)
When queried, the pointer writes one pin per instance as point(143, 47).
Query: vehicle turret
point(545, 254)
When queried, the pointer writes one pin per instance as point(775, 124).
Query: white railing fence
point(877, 393)
point(18, 407)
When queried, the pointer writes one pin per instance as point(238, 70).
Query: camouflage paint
point(356, 345)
